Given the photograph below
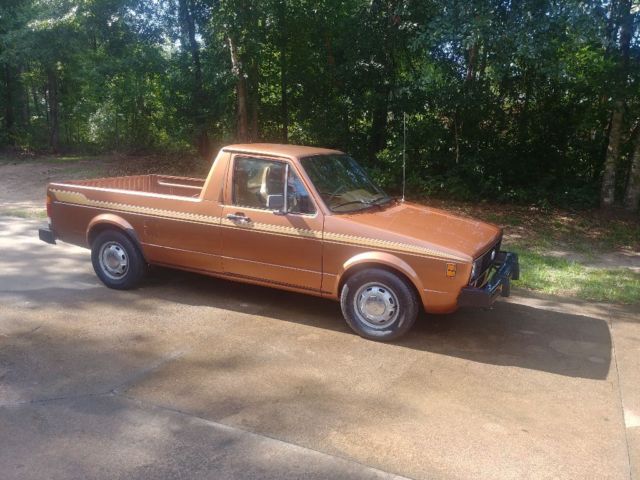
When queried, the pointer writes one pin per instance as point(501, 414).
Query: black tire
point(128, 266)
point(383, 288)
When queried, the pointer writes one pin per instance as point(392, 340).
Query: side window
point(258, 183)
point(298, 199)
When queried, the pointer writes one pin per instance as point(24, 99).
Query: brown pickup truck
point(298, 218)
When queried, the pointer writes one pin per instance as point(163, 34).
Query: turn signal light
point(451, 269)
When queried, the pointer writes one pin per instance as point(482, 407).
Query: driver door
point(259, 240)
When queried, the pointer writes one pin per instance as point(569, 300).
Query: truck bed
point(161, 184)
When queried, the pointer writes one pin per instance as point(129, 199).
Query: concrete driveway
point(193, 377)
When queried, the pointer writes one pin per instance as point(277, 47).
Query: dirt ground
point(23, 183)
point(23, 180)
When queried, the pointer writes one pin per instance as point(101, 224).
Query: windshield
point(342, 183)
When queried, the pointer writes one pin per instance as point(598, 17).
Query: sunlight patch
point(631, 419)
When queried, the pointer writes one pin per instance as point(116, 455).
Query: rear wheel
point(116, 260)
point(378, 304)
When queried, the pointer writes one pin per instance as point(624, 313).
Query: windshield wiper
point(367, 203)
point(352, 202)
point(381, 200)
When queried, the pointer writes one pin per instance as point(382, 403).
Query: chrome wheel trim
point(114, 261)
point(376, 305)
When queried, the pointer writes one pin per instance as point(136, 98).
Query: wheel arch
point(109, 221)
point(385, 261)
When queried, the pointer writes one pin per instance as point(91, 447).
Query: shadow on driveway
point(508, 334)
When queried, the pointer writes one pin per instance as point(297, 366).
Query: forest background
point(519, 101)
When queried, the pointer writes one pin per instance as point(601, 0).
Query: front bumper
point(508, 269)
point(47, 235)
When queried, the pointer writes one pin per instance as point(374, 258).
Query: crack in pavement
point(614, 356)
point(150, 407)
point(146, 405)
point(116, 390)
point(45, 400)
point(126, 384)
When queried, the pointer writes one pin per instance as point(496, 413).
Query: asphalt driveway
point(193, 377)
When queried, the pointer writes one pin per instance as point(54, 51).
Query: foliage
point(504, 100)
point(559, 276)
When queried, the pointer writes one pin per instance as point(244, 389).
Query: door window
point(255, 179)
point(259, 183)
point(299, 200)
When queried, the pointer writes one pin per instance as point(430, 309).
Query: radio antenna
point(404, 152)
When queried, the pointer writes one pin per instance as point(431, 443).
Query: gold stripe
point(80, 199)
point(277, 229)
point(387, 244)
point(339, 238)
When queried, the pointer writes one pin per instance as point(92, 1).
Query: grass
point(558, 276)
point(84, 171)
point(24, 213)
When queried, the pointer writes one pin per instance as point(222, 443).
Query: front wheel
point(378, 304)
point(116, 260)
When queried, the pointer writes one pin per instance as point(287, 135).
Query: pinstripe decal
point(338, 238)
point(387, 244)
point(80, 199)
point(275, 229)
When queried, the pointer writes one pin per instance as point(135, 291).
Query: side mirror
point(275, 202)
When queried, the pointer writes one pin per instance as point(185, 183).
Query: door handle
point(240, 218)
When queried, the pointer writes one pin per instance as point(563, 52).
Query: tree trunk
point(45, 95)
point(626, 32)
point(611, 29)
point(607, 192)
point(472, 60)
point(54, 113)
point(8, 98)
point(36, 102)
point(632, 195)
point(456, 135)
point(242, 129)
point(284, 98)
point(115, 126)
point(189, 27)
point(386, 82)
point(379, 120)
point(483, 63)
point(23, 99)
point(254, 100)
point(189, 31)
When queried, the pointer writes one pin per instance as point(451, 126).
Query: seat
point(272, 182)
point(243, 195)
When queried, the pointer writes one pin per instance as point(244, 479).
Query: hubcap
point(376, 305)
point(113, 260)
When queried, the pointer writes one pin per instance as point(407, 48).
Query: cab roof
point(280, 150)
